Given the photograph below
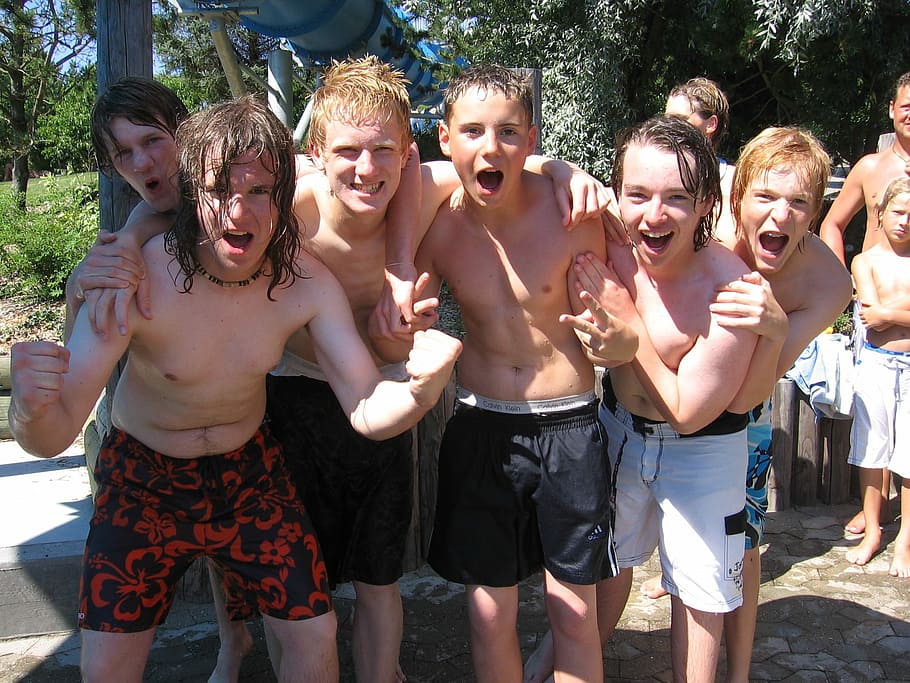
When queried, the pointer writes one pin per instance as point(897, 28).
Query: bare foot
point(653, 588)
point(857, 524)
point(231, 653)
point(539, 667)
point(900, 565)
point(866, 550)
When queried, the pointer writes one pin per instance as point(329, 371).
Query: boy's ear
point(711, 125)
point(532, 139)
point(444, 138)
point(316, 156)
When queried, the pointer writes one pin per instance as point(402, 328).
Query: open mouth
point(773, 242)
point(238, 240)
point(152, 184)
point(372, 188)
point(656, 241)
point(490, 180)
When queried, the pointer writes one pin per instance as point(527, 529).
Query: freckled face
point(775, 213)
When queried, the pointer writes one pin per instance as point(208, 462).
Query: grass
point(40, 188)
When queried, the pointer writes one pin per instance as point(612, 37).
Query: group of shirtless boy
point(280, 345)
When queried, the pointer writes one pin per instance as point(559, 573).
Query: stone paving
point(820, 619)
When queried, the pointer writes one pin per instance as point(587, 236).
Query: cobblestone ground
point(820, 619)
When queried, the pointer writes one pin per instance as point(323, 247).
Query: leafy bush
point(41, 245)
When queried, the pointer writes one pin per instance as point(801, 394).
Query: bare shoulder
point(304, 166)
point(820, 260)
point(820, 276)
point(721, 263)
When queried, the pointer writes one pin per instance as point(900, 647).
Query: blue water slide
point(318, 31)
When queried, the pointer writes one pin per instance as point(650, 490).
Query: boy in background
point(878, 439)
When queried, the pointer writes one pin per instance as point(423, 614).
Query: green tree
point(37, 39)
point(64, 135)
point(824, 64)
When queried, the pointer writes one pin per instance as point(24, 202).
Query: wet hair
point(903, 81)
point(694, 156)
point(895, 188)
point(213, 140)
point(358, 92)
point(791, 148)
point(706, 99)
point(490, 78)
point(141, 101)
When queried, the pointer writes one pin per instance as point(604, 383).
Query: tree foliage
point(38, 38)
point(824, 64)
point(63, 139)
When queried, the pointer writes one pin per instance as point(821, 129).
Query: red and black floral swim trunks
point(154, 515)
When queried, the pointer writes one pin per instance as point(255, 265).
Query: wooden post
point(783, 444)
point(835, 447)
point(805, 471)
point(427, 439)
point(124, 49)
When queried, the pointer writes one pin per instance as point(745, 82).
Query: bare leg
point(235, 638)
point(612, 596)
point(857, 523)
point(694, 643)
point(310, 653)
point(117, 657)
point(653, 588)
point(870, 480)
point(539, 667)
point(493, 613)
point(739, 625)
point(572, 611)
point(378, 624)
point(900, 565)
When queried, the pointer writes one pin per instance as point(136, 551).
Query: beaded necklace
point(229, 283)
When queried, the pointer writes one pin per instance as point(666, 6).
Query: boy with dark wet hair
point(189, 438)
point(671, 437)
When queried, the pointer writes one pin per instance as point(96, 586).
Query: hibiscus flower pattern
point(155, 515)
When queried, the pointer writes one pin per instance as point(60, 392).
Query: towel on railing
point(824, 372)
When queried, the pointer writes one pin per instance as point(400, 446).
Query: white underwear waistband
point(546, 405)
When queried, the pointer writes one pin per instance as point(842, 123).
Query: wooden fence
point(809, 464)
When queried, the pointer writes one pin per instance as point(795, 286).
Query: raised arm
point(845, 207)
point(580, 197)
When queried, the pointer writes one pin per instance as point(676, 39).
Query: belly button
point(171, 377)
